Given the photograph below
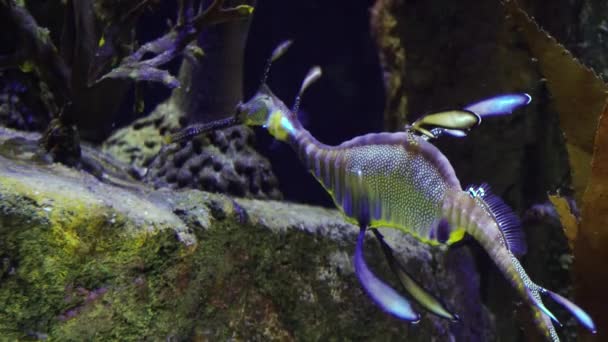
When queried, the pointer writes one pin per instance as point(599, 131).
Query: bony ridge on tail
point(400, 180)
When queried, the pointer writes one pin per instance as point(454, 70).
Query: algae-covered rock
point(84, 260)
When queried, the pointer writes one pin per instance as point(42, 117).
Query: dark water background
point(347, 101)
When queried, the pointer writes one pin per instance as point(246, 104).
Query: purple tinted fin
point(424, 298)
point(499, 105)
point(507, 221)
point(313, 75)
point(574, 309)
point(454, 132)
point(539, 304)
point(387, 298)
point(276, 54)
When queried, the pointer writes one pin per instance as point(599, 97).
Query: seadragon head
point(267, 110)
point(264, 108)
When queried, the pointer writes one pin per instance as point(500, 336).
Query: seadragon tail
point(466, 210)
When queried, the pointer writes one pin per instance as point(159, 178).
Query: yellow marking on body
point(26, 66)
point(275, 126)
point(456, 235)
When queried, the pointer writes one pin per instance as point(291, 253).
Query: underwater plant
point(579, 96)
point(96, 60)
point(399, 180)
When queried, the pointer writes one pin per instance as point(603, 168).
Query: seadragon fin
point(452, 122)
point(425, 299)
point(458, 123)
point(311, 77)
point(385, 296)
point(580, 314)
point(508, 222)
point(499, 105)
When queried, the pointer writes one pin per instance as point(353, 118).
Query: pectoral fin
point(428, 301)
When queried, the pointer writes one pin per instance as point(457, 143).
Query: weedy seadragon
point(400, 180)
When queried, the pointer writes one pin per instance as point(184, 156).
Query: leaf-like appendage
point(578, 93)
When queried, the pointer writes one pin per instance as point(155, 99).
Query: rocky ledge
point(81, 259)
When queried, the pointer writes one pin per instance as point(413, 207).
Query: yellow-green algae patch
point(72, 247)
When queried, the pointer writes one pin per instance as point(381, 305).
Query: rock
point(81, 260)
point(221, 161)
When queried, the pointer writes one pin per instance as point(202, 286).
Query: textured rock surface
point(84, 260)
point(138, 143)
point(222, 161)
point(19, 107)
point(592, 47)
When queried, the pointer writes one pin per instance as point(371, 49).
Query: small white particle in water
point(47, 209)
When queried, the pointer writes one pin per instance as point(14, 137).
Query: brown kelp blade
point(578, 93)
point(591, 247)
point(579, 96)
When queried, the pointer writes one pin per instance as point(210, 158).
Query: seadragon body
point(400, 180)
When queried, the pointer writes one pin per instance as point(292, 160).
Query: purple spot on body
point(442, 231)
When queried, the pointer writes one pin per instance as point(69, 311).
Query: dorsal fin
point(507, 220)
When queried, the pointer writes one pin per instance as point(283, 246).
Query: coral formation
point(219, 161)
point(138, 143)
